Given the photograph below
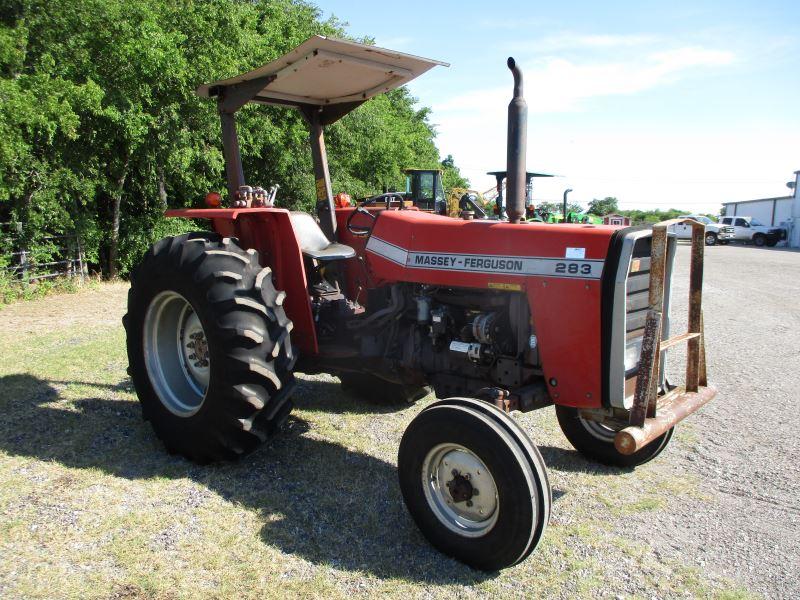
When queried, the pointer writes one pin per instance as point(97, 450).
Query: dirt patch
point(103, 305)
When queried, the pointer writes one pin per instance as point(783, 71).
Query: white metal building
point(782, 210)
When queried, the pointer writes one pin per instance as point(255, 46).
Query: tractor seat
point(314, 243)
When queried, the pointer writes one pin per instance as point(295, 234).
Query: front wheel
point(596, 441)
point(711, 239)
point(474, 484)
point(208, 347)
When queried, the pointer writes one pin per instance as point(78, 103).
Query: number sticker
point(573, 268)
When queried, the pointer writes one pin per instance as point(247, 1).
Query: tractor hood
point(324, 71)
point(482, 252)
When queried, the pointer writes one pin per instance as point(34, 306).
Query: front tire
point(711, 239)
point(474, 484)
point(596, 441)
point(208, 345)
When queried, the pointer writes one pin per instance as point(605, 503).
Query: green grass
point(12, 290)
point(91, 506)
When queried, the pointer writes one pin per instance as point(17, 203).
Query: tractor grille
point(626, 296)
point(637, 287)
point(728, 229)
point(637, 293)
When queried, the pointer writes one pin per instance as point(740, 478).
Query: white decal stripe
point(387, 250)
point(508, 265)
point(489, 263)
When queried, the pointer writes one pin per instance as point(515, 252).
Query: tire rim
point(176, 353)
point(598, 430)
point(710, 239)
point(460, 490)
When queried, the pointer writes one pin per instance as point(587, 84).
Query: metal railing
point(66, 259)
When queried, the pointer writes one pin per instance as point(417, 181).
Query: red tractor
point(400, 300)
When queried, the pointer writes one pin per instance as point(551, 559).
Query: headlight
point(633, 349)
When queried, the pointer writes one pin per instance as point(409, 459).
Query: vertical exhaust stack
point(516, 165)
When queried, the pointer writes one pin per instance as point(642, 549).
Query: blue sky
point(660, 104)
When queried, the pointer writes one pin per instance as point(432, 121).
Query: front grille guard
point(652, 415)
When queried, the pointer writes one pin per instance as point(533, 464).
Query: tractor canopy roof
point(331, 74)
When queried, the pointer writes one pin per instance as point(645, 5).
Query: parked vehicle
point(393, 299)
point(748, 229)
point(715, 233)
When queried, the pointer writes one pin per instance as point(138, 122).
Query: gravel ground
point(89, 498)
point(746, 447)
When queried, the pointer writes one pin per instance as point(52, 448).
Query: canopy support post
point(230, 149)
point(322, 177)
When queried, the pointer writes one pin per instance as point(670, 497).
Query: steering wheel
point(357, 229)
point(362, 230)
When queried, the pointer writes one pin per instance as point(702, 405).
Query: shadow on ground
point(328, 504)
point(571, 461)
point(326, 396)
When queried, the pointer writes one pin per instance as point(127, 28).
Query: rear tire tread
point(249, 394)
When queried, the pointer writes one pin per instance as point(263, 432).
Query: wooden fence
point(63, 257)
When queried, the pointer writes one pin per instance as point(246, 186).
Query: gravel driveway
point(746, 445)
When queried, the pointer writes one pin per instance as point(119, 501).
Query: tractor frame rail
point(652, 415)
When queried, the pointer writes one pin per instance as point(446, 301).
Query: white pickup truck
point(715, 233)
point(748, 229)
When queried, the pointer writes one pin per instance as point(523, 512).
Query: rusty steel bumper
point(673, 408)
point(651, 416)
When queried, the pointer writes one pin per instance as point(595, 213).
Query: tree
point(100, 128)
point(451, 175)
point(557, 208)
point(648, 217)
point(606, 206)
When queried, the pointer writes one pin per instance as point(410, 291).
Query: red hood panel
point(420, 240)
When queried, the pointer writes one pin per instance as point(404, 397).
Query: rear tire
point(453, 448)
point(208, 347)
point(596, 441)
point(759, 240)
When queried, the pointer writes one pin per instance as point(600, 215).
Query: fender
point(269, 231)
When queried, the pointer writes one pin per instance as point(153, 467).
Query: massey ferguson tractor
point(398, 301)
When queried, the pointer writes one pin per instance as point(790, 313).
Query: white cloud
point(514, 22)
point(567, 40)
point(692, 56)
point(659, 167)
point(648, 169)
point(559, 84)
